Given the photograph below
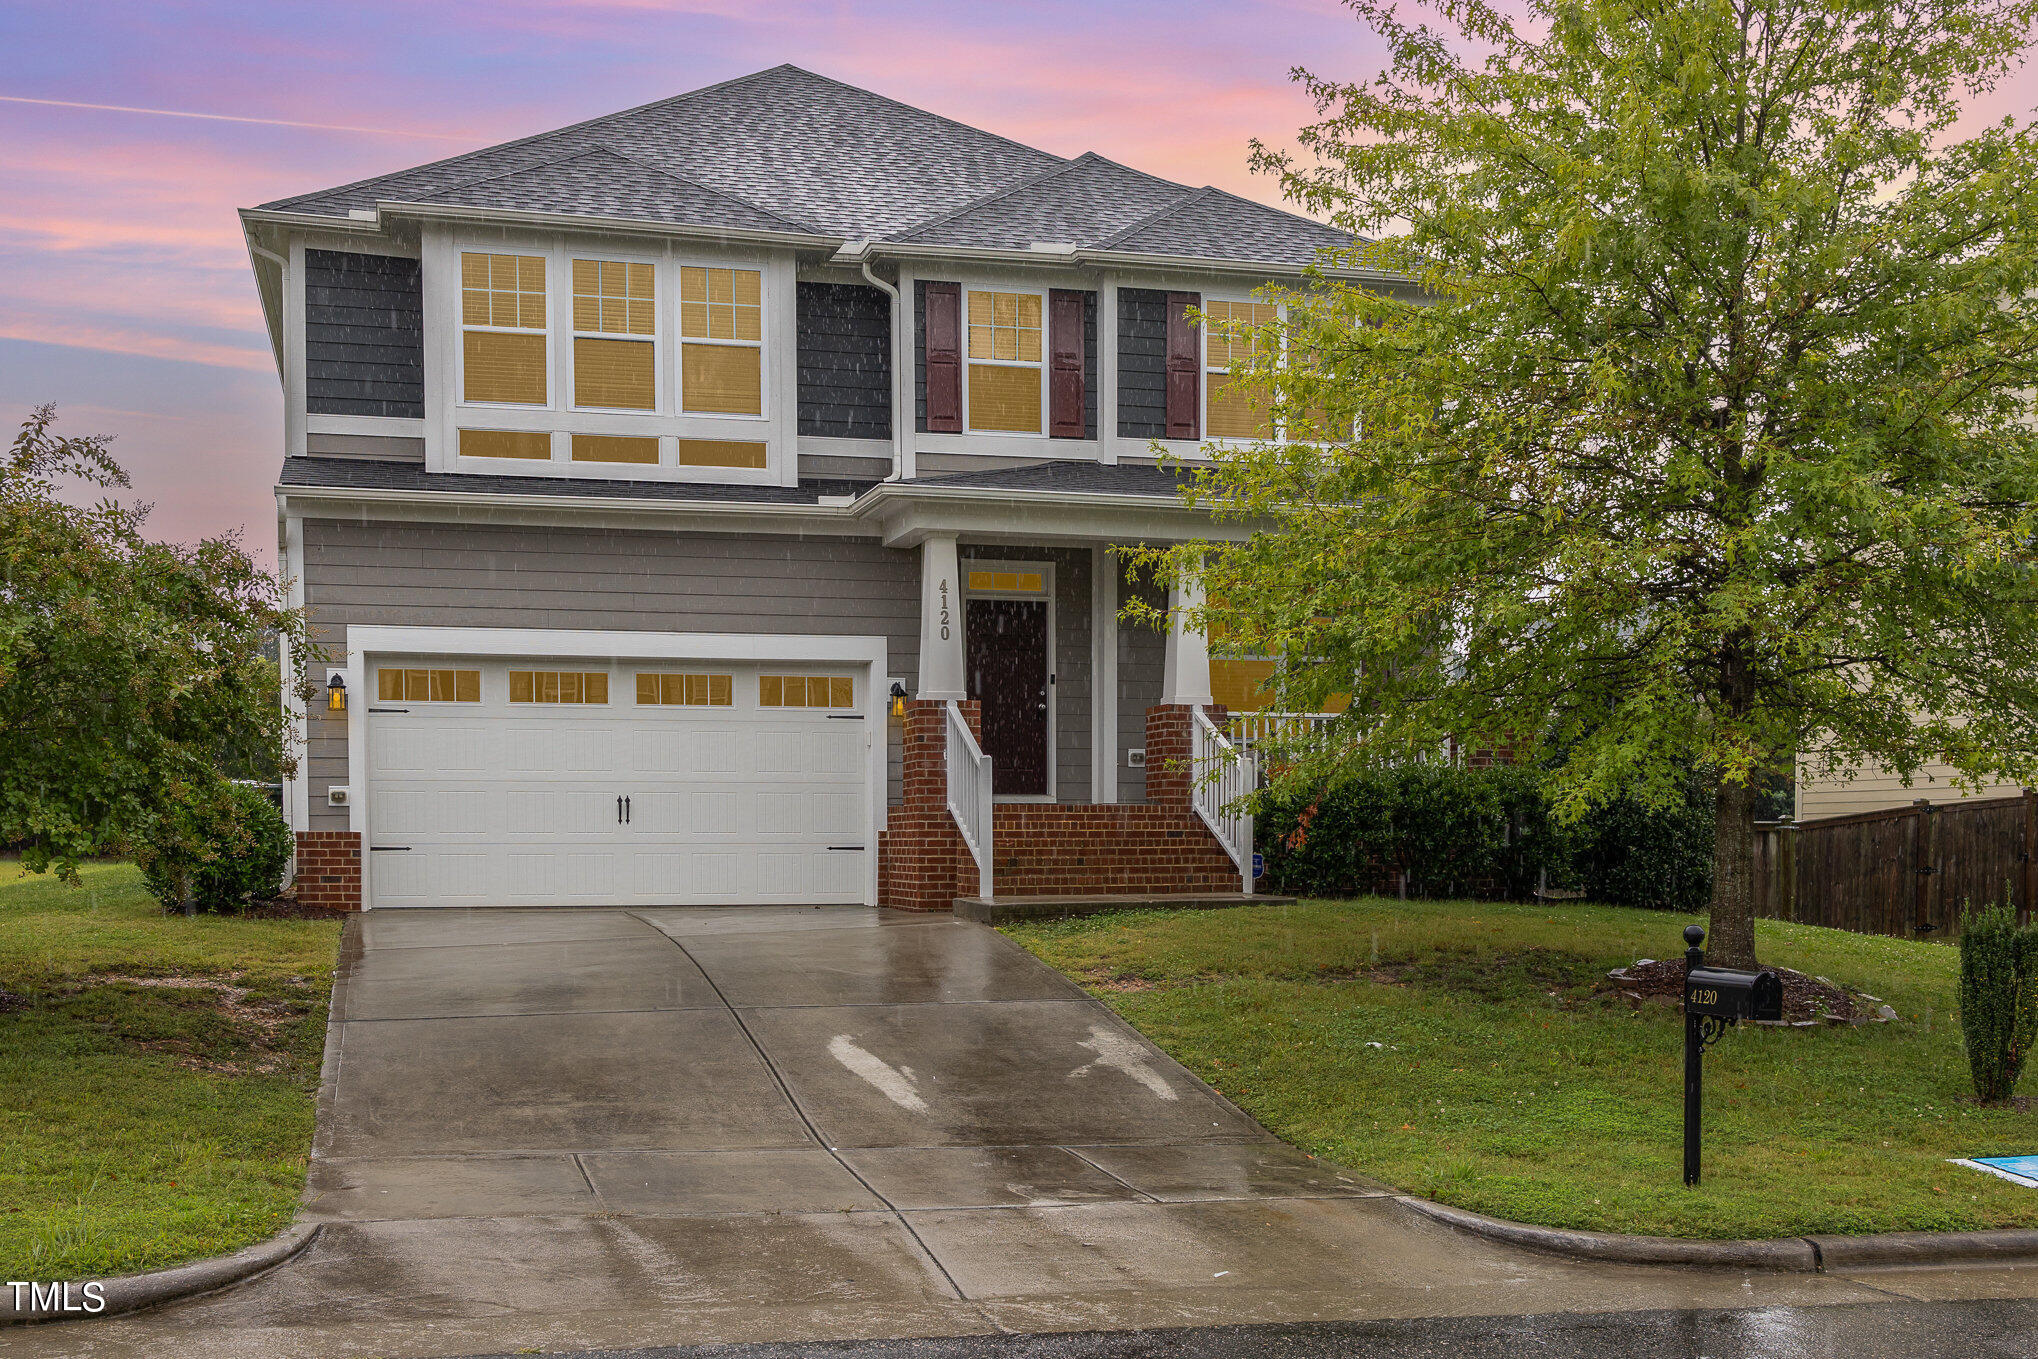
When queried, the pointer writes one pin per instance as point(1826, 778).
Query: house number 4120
point(944, 608)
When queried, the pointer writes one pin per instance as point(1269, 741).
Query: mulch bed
point(1806, 1000)
point(281, 908)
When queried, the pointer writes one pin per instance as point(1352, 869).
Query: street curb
point(1791, 1253)
point(1802, 1254)
point(133, 1292)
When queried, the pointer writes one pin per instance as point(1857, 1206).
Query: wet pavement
point(562, 1130)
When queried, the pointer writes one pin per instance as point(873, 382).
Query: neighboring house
point(632, 469)
point(1874, 788)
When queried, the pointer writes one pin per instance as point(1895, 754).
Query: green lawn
point(144, 1121)
point(1457, 1050)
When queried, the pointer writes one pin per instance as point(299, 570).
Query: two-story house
point(716, 502)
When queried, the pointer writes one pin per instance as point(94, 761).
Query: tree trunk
point(1732, 937)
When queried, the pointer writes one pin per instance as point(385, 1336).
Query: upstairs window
point(721, 328)
point(615, 325)
point(502, 319)
point(1006, 375)
point(1233, 412)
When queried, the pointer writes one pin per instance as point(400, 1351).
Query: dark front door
point(1008, 676)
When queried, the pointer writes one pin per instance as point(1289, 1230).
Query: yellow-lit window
point(1242, 683)
point(688, 690)
point(423, 685)
point(1232, 411)
point(1006, 582)
point(721, 328)
point(559, 686)
point(806, 691)
point(615, 448)
point(1006, 376)
point(615, 352)
point(505, 443)
point(720, 453)
point(502, 321)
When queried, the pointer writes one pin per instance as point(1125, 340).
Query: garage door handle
point(619, 809)
point(857, 848)
point(626, 811)
point(390, 849)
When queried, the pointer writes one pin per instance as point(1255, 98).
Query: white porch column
point(1104, 570)
point(941, 675)
point(1186, 678)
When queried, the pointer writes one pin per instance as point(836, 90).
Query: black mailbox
point(1733, 993)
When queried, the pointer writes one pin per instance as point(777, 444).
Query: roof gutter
point(858, 250)
point(1066, 257)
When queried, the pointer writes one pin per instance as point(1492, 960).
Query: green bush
point(1446, 831)
point(1998, 997)
point(1453, 832)
point(233, 843)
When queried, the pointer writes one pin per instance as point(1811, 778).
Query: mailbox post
point(1715, 999)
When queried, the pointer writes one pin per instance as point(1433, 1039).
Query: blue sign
point(1259, 865)
point(2016, 1169)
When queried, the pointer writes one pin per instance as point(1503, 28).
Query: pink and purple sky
point(125, 295)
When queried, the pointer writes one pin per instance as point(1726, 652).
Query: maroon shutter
point(1065, 378)
point(944, 358)
point(1185, 368)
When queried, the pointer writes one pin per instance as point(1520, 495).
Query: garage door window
point(697, 691)
point(806, 691)
point(428, 686)
point(559, 686)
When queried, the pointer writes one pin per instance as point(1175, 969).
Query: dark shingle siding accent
point(845, 361)
point(920, 355)
point(1091, 373)
point(1142, 363)
point(364, 348)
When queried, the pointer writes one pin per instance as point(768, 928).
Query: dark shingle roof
point(602, 183)
point(360, 474)
point(1069, 478)
point(1084, 202)
point(1213, 224)
point(788, 150)
point(836, 159)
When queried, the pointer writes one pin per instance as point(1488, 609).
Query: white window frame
point(968, 362)
point(462, 327)
point(447, 411)
point(656, 340)
point(1279, 432)
point(762, 344)
point(1047, 593)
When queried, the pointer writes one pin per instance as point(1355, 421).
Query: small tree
point(131, 671)
point(1706, 437)
point(1998, 997)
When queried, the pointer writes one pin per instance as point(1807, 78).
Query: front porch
point(989, 805)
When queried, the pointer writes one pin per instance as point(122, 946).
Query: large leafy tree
point(1707, 438)
point(133, 674)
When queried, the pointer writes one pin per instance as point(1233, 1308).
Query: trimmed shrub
point(1998, 997)
point(1488, 832)
point(234, 844)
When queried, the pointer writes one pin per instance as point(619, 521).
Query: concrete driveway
point(578, 1128)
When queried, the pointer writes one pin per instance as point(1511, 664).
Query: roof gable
point(1081, 202)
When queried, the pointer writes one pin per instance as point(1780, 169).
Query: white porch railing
point(1256, 728)
point(969, 794)
point(1223, 775)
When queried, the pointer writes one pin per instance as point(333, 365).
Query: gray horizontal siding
point(1142, 662)
point(364, 348)
point(845, 361)
point(497, 576)
point(1142, 363)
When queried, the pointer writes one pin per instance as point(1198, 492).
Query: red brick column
point(1169, 744)
point(923, 865)
point(329, 869)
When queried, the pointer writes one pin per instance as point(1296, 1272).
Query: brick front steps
point(1001, 909)
point(1070, 849)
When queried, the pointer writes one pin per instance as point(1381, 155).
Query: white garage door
point(538, 782)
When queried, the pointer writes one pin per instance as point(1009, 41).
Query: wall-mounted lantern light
point(336, 692)
point(898, 699)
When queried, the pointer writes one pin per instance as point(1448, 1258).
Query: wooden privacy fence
point(1904, 871)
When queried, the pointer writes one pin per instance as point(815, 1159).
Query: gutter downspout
point(898, 320)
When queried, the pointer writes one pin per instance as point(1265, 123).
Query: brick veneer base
point(329, 869)
point(922, 863)
point(1059, 850)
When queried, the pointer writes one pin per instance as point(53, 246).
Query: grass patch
point(157, 1075)
point(1460, 1051)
